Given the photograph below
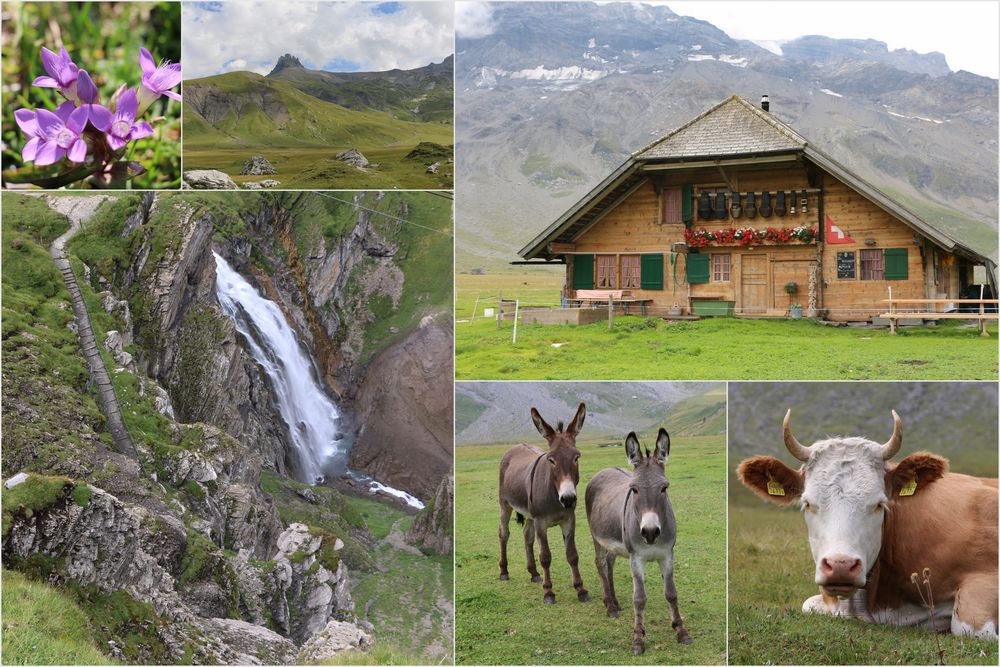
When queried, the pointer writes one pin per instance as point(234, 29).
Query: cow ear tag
point(775, 489)
point(908, 488)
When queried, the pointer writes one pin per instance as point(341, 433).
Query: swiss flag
point(835, 234)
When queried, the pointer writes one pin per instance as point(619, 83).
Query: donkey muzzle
point(649, 527)
point(567, 494)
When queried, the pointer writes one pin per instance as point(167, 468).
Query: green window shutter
point(651, 275)
point(687, 210)
point(896, 264)
point(583, 272)
point(697, 268)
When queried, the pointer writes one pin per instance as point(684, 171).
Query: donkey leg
point(505, 511)
point(545, 556)
point(529, 549)
point(616, 607)
point(670, 592)
point(638, 604)
point(573, 558)
point(605, 564)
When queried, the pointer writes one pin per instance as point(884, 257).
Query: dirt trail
point(79, 209)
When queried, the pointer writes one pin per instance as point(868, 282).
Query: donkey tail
point(519, 518)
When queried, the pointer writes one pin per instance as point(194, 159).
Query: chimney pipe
point(764, 103)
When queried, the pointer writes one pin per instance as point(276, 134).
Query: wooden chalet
point(736, 213)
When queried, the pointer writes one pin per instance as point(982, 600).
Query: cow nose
point(650, 533)
point(840, 569)
point(568, 500)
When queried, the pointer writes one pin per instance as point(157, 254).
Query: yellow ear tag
point(908, 488)
point(775, 489)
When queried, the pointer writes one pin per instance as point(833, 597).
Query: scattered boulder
point(308, 495)
point(254, 645)
point(261, 185)
point(257, 166)
point(353, 157)
point(434, 168)
point(209, 179)
point(335, 638)
point(114, 344)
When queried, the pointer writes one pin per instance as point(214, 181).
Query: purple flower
point(157, 80)
point(29, 125)
point(62, 71)
point(86, 92)
point(60, 134)
point(123, 127)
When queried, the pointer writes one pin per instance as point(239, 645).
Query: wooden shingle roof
point(733, 127)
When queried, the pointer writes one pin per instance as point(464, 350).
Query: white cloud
point(218, 36)
point(474, 19)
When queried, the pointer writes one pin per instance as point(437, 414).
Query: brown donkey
point(540, 486)
point(630, 516)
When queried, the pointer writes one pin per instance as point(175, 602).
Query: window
point(720, 268)
point(606, 272)
point(872, 265)
point(670, 200)
point(630, 272)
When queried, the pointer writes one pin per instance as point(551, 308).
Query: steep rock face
point(432, 527)
point(409, 447)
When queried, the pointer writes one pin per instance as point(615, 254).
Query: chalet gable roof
point(732, 127)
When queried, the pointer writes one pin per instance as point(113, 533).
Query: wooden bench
point(593, 297)
point(914, 312)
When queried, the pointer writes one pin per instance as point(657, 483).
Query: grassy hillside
point(230, 117)
point(505, 622)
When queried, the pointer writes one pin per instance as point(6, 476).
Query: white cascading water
point(308, 412)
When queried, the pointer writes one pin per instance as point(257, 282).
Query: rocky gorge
point(207, 546)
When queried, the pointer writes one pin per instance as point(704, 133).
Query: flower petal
point(140, 130)
point(50, 61)
point(26, 121)
point(45, 82)
point(48, 122)
point(85, 88)
point(64, 110)
point(115, 142)
point(146, 62)
point(171, 95)
point(78, 151)
point(49, 153)
point(128, 104)
point(30, 149)
point(168, 76)
point(100, 117)
point(78, 120)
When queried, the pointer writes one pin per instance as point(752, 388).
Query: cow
point(877, 528)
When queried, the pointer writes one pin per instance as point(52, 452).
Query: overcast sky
point(334, 36)
point(966, 32)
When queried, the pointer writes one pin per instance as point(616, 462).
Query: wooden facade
point(630, 234)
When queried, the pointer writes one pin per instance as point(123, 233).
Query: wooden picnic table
point(913, 312)
point(623, 298)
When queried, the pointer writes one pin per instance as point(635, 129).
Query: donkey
point(540, 486)
point(630, 515)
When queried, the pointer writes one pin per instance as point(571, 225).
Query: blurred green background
point(103, 38)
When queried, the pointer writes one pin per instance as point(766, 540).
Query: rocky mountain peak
point(285, 62)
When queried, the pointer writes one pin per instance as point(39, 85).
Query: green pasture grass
point(45, 626)
point(771, 575)
point(639, 348)
point(505, 622)
point(103, 38)
point(303, 167)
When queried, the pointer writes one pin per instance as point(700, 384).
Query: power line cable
point(382, 213)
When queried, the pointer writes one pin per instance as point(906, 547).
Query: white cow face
point(844, 503)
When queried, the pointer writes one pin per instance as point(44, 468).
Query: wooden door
point(755, 291)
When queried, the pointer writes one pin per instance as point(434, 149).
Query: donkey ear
point(662, 446)
point(632, 449)
point(541, 424)
point(577, 423)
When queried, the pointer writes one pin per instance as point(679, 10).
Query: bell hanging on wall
point(805, 202)
point(720, 206)
point(735, 209)
point(751, 205)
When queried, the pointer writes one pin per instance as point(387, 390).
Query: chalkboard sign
point(845, 265)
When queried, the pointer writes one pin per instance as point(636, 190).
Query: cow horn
point(795, 448)
point(890, 448)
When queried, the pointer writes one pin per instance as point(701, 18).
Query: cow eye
point(881, 507)
point(807, 506)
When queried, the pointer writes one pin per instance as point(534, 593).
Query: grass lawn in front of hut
point(506, 623)
point(639, 348)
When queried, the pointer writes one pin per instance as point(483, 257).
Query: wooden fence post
point(892, 320)
point(610, 312)
point(474, 308)
point(499, 308)
point(517, 302)
point(982, 312)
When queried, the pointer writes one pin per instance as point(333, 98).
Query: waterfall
point(310, 415)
